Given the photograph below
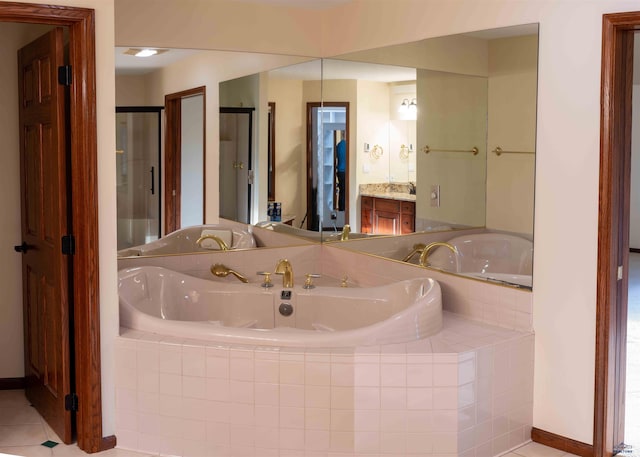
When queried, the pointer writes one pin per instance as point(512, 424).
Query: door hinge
point(620, 271)
point(68, 245)
point(64, 75)
point(250, 176)
point(71, 402)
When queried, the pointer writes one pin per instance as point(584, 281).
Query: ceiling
point(131, 65)
point(302, 4)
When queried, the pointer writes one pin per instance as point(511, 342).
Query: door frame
point(84, 212)
point(613, 230)
point(250, 112)
point(173, 156)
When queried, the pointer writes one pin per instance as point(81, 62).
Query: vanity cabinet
point(386, 216)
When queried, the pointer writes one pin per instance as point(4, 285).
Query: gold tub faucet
point(346, 230)
point(217, 239)
point(284, 268)
point(429, 247)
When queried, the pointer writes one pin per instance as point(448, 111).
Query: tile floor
point(22, 431)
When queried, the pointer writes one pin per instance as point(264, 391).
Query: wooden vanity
point(387, 216)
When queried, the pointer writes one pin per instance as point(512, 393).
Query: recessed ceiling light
point(146, 52)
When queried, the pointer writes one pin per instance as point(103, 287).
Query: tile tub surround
point(465, 391)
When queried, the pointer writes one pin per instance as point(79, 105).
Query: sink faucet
point(217, 239)
point(427, 249)
point(345, 232)
point(283, 267)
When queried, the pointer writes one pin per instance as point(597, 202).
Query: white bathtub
point(492, 256)
point(157, 300)
point(183, 241)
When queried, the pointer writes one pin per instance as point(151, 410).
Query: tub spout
point(217, 239)
point(429, 247)
point(283, 267)
point(221, 271)
point(416, 249)
point(346, 230)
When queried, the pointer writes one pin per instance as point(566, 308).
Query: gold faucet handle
point(344, 280)
point(308, 283)
point(267, 279)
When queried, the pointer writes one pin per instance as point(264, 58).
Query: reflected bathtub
point(183, 241)
point(501, 258)
point(157, 300)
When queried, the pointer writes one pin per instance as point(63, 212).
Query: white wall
point(567, 163)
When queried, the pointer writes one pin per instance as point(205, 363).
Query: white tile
point(393, 398)
point(341, 374)
point(217, 433)
point(292, 438)
point(291, 417)
point(267, 416)
point(342, 397)
point(171, 360)
point(26, 451)
point(18, 415)
point(317, 396)
point(445, 420)
point(366, 374)
point(217, 367)
point(537, 450)
point(317, 373)
point(267, 394)
point(148, 402)
point(395, 420)
point(22, 435)
point(419, 443)
point(393, 375)
point(366, 398)
point(420, 375)
point(241, 414)
point(292, 372)
point(317, 440)
point(194, 387)
point(241, 435)
point(292, 395)
point(241, 369)
point(392, 443)
point(170, 384)
point(170, 405)
point(342, 420)
point(366, 442)
point(366, 420)
point(267, 438)
point(241, 392)
point(419, 421)
point(195, 408)
point(217, 389)
point(419, 398)
point(317, 418)
point(266, 371)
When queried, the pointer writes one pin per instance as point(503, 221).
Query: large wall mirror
point(451, 120)
point(446, 126)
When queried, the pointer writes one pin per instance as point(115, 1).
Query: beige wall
point(513, 73)
point(131, 90)
point(219, 24)
point(14, 36)
point(290, 145)
point(455, 118)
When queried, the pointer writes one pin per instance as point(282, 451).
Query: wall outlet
point(434, 195)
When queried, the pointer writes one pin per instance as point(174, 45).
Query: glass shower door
point(138, 175)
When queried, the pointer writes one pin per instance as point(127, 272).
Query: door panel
point(44, 222)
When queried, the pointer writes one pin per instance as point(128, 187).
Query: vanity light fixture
point(408, 106)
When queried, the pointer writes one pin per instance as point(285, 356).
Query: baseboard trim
point(634, 250)
point(561, 442)
point(11, 383)
point(108, 442)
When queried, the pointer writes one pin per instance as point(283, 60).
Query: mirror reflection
point(420, 137)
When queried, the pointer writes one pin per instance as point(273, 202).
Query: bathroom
point(569, 90)
point(432, 395)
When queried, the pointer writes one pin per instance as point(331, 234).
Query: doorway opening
point(138, 173)
point(84, 327)
point(327, 166)
point(236, 173)
point(613, 232)
point(184, 159)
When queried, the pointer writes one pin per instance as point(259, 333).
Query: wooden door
point(45, 272)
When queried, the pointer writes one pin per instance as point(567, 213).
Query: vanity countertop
point(390, 195)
